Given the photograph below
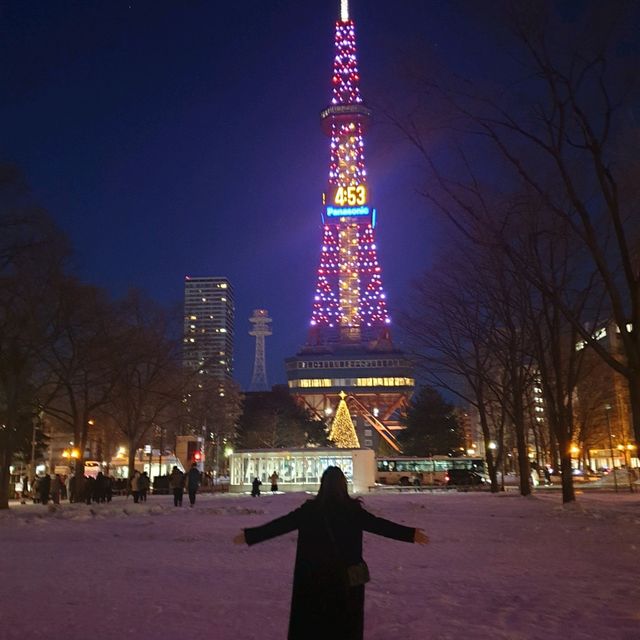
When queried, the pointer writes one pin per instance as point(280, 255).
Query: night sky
point(183, 137)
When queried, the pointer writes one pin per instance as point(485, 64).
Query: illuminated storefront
point(301, 469)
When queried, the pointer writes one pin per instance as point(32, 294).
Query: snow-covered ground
point(499, 567)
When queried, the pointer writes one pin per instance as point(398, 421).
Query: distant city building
point(208, 326)
point(602, 407)
point(469, 423)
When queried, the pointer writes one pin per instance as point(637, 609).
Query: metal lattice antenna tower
point(260, 321)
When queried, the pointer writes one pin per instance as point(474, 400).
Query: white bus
point(91, 468)
point(409, 471)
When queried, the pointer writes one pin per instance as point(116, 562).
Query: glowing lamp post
point(626, 452)
point(574, 450)
point(71, 455)
point(607, 408)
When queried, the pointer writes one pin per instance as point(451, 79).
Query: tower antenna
point(260, 328)
point(344, 10)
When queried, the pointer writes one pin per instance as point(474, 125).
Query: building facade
point(300, 469)
point(602, 407)
point(208, 326)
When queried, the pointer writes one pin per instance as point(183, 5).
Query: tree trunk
point(491, 461)
point(5, 478)
point(132, 464)
point(568, 492)
point(79, 481)
point(523, 463)
point(634, 401)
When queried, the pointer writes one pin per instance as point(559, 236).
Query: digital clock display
point(355, 195)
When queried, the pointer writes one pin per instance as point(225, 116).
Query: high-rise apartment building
point(208, 326)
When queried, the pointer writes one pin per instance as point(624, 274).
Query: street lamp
point(71, 455)
point(626, 452)
point(607, 408)
point(574, 451)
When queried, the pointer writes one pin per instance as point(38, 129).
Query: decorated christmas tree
point(343, 433)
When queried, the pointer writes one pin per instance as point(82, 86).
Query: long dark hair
point(334, 490)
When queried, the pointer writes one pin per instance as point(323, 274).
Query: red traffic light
point(197, 456)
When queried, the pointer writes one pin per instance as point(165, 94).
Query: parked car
point(465, 477)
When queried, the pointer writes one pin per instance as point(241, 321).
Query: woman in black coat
point(330, 529)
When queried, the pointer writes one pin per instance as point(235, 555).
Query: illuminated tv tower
point(349, 347)
point(260, 328)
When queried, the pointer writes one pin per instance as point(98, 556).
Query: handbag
point(356, 574)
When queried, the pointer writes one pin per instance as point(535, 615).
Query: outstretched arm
point(277, 527)
point(420, 537)
point(389, 529)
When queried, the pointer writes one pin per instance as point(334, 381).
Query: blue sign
point(346, 212)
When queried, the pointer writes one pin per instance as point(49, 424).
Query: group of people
point(45, 488)
point(257, 483)
point(54, 488)
point(57, 487)
point(140, 485)
point(179, 481)
point(540, 473)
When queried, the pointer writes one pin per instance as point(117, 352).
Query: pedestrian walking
point(71, 487)
point(274, 481)
point(56, 489)
point(193, 482)
point(330, 573)
point(108, 488)
point(176, 483)
point(35, 490)
point(135, 486)
point(255, 487)
point(89, 488)
point(145, 485)
point(19, 489)
point(44, 488)
point(100, 488)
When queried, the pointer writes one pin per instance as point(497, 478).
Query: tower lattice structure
point(349, 303)
point(349, 347)
point(260, 322)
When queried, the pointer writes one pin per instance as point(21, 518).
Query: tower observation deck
point(349, 346)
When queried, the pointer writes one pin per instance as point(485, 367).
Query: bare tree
point(149, 383)
point(449, 326)
point(213, 408)
point(32, 252)
point(82, 381)
point(564, 131)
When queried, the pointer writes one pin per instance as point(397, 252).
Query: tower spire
point(344, 10)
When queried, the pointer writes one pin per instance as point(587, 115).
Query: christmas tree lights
point(343, 433)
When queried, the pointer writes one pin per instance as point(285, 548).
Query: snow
point(501, 567)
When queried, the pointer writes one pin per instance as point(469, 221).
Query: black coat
point(193, 479)
point(322, 605)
